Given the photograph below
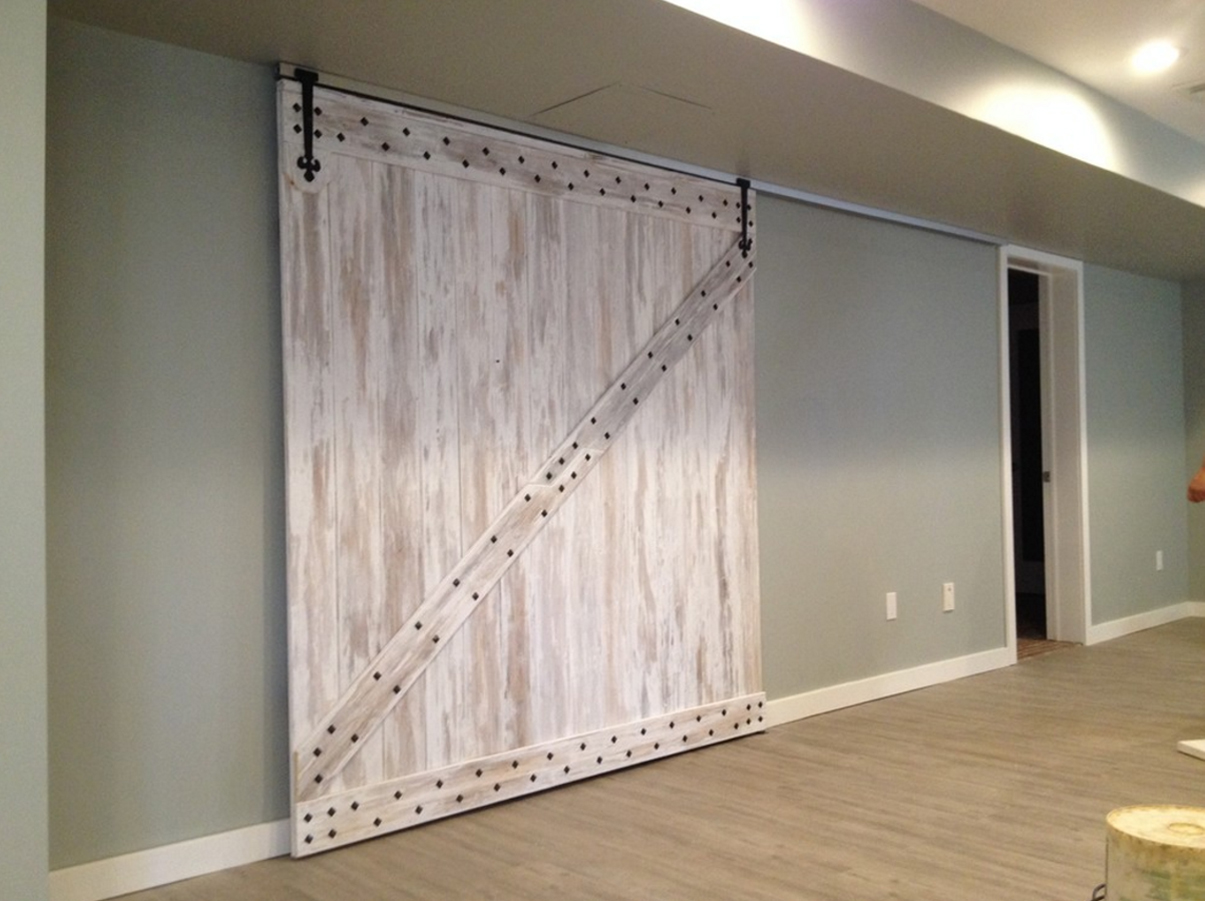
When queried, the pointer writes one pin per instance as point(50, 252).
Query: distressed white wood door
point(519, 419)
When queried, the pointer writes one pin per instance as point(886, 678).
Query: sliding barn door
point(520, 471)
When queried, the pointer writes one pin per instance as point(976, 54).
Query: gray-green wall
point(878, 421)
point(23, 850)
point(878, 446)
point(1194, 417)
point(1134, 395)
point(165, 506)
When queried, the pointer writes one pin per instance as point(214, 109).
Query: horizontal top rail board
point(383, 132)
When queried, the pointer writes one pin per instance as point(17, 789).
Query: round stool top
point(1164, 824)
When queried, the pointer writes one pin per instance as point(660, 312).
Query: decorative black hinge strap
point(306, 161)
point(746, 242)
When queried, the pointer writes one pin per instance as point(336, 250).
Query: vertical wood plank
point(436, 228)
point(358, 371)
point(309, 455)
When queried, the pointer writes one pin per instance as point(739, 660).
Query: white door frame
point(1064, 443)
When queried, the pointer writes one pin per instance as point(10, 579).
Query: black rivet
point(533, 777)
point(446, 141)
point(296, 107)
point(308, 817)
point(550, 755)
point(476, 596)
point(570, 186)
point(341, 137)
point(586, 172)
point(537, 178)
point(614, 739)
point(397, 689)
point(629, 754)
point(497, 786)
point(330, 812)
point(434, 639)
point(406, 132)
point(671, 724)
point(684, 737)
point(582, 746)
point(297, 129)
point(711, 732)
point(566, 769)
point(377, 821)
point(543, 512)
point(554, 164)
point(459, 798)
point(464, 163)
point(502, 170)
point(363, 121)
point(332, 833)
point(510, 553)
point(376, 677)
point(514, 765)
point(618, 180)
point(439, 783)
point(485, 151)
point(479, 772)
point(355, 805)
point(598, 760)
point(317, 752)
point(493, 539)
point(317, 132)
point(426, 155)
point(397, 796)
point(418, 809)
point(318, 778)
point(331, 729)
point(527, 497)
point(656, 746)
point(455, 583)
point(309, 839)
point(355, 737)
point(385, 145)
point(522, 161)
point(644, 731)
point(418, 627)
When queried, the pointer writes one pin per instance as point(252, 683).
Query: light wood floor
point(996, 786)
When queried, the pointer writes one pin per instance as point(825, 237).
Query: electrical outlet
point(947, 597)
point(1159, 561)
point(891, 605)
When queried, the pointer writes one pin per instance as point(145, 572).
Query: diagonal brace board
point(377, 690)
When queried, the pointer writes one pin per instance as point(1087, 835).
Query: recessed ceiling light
point(1155, 57)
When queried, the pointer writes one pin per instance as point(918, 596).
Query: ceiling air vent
point(1194, 91)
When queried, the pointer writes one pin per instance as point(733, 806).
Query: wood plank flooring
point(995, 786)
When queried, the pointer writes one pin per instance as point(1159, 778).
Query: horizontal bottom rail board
point(357, 814)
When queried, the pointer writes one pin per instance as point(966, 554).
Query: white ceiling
point(652, 77)
point(1092, 41)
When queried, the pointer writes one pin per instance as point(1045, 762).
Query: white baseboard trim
point(141, 870)
point(1128, 625)
point(848, 694)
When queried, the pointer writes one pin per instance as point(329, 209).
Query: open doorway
point(1025, 417)
point(1045, 472)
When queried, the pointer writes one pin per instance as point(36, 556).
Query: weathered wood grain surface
point(447, 328)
